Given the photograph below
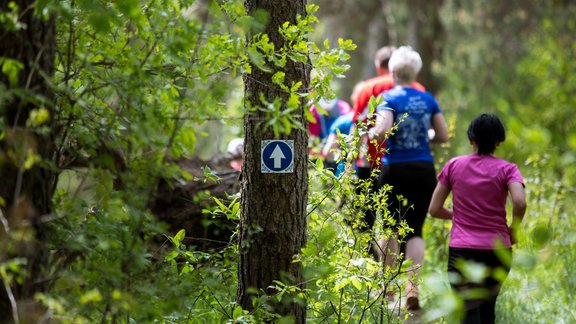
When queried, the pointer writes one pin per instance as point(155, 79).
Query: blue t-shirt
point(410, 142)
point(342, 124)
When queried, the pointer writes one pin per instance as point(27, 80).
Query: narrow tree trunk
point(273, 205)
point(426, 34)
point(26, 191)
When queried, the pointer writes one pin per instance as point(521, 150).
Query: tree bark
point(27, 192)
point(426, 35)
point(273, 205)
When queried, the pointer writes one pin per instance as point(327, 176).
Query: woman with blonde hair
point(408, 166)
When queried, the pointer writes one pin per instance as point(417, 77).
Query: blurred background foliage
point(141, 84)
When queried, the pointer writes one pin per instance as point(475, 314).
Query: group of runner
point(406, 120)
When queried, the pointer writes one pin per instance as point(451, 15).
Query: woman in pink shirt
point(480, 184)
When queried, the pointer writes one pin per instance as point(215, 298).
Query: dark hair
point(383, 55)
point(486, 131)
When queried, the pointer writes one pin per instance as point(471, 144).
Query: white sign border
point(264, 168)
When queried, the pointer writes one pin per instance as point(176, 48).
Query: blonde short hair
point(405, 64)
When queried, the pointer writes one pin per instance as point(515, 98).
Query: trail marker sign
point(277, 156)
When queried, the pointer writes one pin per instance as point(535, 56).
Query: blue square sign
point(277, 156)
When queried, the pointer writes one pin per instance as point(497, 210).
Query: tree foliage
point(130, 89)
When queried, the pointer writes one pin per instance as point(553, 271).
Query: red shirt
point(372, 88)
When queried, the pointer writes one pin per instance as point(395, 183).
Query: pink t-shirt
point(479, 185)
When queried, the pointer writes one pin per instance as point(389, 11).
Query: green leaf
point(171, 256)
point(11, 68)
point(38, 117)
point(219, 203)
point(130, 8)
point(319, 164)
point(257, 59)
point(100, 22)
point(356, 283)
point(237, 312)
point(278, 78)
point(92, 296)
point(177, 239)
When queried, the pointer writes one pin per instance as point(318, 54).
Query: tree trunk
point(426, 35)
point(273, 205)
point(26, 189)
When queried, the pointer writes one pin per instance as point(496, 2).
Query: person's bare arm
point(518, 197)
point(436, 207)
point(440, 129)
point(329, 147)
point(384, 121)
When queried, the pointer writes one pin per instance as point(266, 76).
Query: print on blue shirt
point(410, 143)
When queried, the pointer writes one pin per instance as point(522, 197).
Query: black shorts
point(415, 181)
point(369, 217)
point(491, 259)
point(479, 309)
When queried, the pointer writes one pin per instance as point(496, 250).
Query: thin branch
point(12, 301)
point(192, 306)
point(4, 222)
point(105, 314)
point(322, 200)
point(222, 308)
point(20, 175)
point(148, 54)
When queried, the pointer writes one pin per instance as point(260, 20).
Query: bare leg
point(387, 250)
point(415, 251)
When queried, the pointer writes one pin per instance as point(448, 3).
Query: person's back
point(480, 188)
point(373, 87)
point(413, 111)
point(408, 168)
point(480, 184)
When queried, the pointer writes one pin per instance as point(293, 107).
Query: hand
point(373, 134)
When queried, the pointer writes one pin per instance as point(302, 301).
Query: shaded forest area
point(118, 202)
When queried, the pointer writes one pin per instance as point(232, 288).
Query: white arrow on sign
point(277, 156)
